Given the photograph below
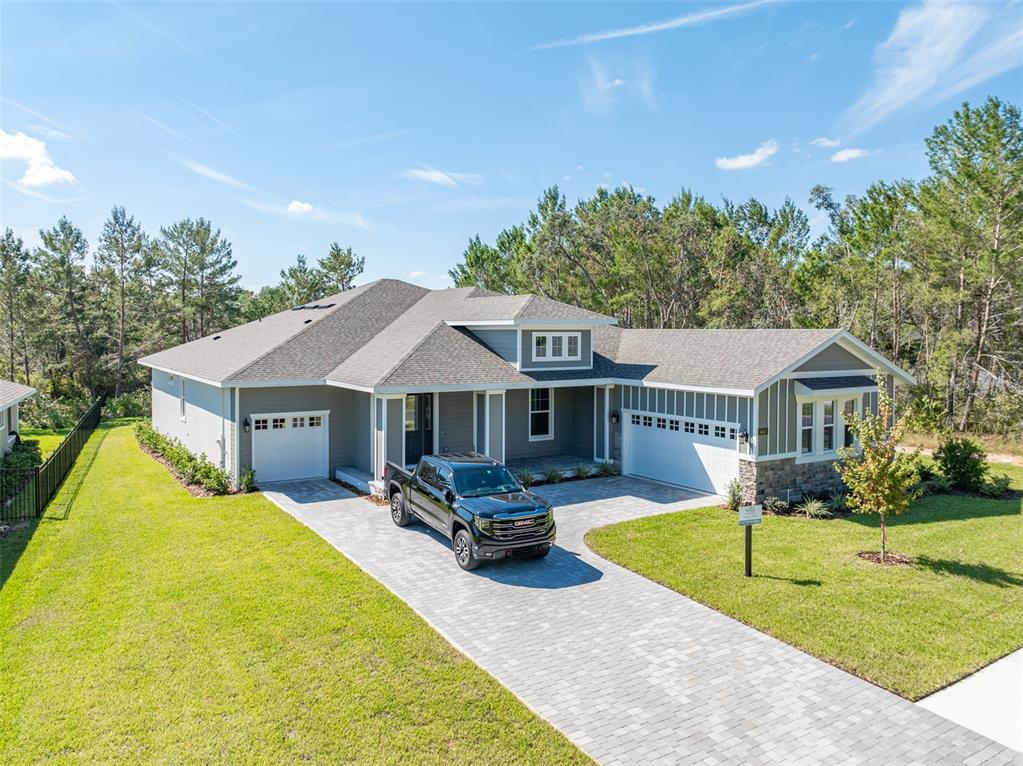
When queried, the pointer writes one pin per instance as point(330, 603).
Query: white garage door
point(683, 451)
point(289, 445)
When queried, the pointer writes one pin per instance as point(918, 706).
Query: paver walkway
point(632, 672)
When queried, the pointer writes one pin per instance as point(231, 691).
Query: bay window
point(541, 423)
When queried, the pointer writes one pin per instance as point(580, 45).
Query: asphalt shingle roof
point(392, 334)
point(11, 392)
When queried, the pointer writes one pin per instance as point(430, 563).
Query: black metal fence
point(24, 492)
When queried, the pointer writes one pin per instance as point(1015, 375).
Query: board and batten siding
point(778, 411)
point(504, 343)
point(834, 358)
point(455, 418)
point(585, 352)
point(349, 423)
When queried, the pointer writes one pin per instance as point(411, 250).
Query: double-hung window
point(806, 428)
point(848, 411)
point(541, 423)
point(828, 442)
point(556, 346)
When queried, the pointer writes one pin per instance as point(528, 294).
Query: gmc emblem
point(524, 523)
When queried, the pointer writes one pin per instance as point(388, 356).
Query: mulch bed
point(196, 490)
point(890, 559)
point(364, 495)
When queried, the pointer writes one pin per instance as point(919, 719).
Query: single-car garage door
point(678, 450)
point(289, 445)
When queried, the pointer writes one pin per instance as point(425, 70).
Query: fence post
point(35, 488)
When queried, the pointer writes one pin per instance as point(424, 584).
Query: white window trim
point(819, 453)
point(564, 356)
point(550, 415)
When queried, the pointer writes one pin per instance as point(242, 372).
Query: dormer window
point(556, 346)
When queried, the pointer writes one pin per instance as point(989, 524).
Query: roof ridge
point(524, 306)
point(412, 350)
point(302, 329)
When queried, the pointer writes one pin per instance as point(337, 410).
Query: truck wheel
point(542, 551)
point(399, 515)
point(462, 545)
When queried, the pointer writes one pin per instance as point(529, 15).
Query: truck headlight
point(483, 524)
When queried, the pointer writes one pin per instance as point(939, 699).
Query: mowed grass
point(911, 629)
point(145, 625)
point(48, 440)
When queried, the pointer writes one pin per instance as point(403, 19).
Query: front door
point(418, 427)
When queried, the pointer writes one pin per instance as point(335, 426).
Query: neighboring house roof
point(13, 393)
point(391, 335)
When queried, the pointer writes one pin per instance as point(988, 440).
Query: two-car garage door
point(289, 445)
point(680, 450)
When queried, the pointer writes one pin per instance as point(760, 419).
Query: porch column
point(387, 415)
point(493, 425)
point(607, 423)
point(599, 423)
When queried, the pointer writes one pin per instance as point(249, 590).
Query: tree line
point(72, 322)
point(929, 272)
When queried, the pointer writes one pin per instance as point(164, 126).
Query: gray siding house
point(391, 371)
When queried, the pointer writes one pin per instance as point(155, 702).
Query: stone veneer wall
point(780, 477)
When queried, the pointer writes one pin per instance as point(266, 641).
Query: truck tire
point(462, 546)
point(399, 514)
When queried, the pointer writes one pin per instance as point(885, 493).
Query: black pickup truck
point(476, 502)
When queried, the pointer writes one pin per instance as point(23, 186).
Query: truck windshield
point(478, 481)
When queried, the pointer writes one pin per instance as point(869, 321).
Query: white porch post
point(436, 422)
point(607, 423)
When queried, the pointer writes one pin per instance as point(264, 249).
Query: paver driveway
point(632, 672)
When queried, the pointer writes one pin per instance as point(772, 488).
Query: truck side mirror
point(449, 496)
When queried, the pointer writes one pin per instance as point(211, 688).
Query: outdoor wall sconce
point(614, 418)
point(246, 425)
point(743, 435)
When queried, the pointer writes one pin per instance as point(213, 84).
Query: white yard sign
point(750, 514)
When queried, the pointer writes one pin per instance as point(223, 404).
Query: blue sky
point(403, 130)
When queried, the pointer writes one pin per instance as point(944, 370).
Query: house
point(11, 395)
point(390, 371)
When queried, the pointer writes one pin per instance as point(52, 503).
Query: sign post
point(748, 516)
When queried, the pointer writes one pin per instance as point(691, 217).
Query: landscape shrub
point(192, 469)
point(607, 469)
point(814, 508)
point(937, 485)
point(134, 404)
point(775, 505)
point(733, 496)
point(552, 475)
point(996, 486)
point(963, 463)
point(525, 477)
point(43, 411)
point(25, 454)
point(582, 471)
point(247, 481)
point(838, 501)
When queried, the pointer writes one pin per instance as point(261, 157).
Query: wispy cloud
point(825, 143)
point(53, 134)
point(38, 195)
point(745, 161)
point(937, 50)
point(215, 120)
point(678, 22)
point(40, 169)
point(845, 155)
point(307, 210)
point(448, 178)
point(65, 132)
point(214, 175)
point(154, 28)
point(161, 126)
point(600, 90)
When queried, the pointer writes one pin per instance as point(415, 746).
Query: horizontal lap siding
point(349, 437)
point(504, 343)
point(455, 418)
point(573, 425)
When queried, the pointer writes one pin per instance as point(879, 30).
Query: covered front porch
point(531, 429)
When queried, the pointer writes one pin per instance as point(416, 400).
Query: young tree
point(14, 269)
point(879, 478)
point(118, 266)
point(340, 268)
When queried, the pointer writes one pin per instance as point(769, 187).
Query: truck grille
point(521, 527)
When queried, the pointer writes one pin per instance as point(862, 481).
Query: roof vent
point(313, 306)
point(216, 337)
point(307, 321)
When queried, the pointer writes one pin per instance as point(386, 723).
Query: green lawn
point(141, 624)
point(912, 629)
point(48, 440)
